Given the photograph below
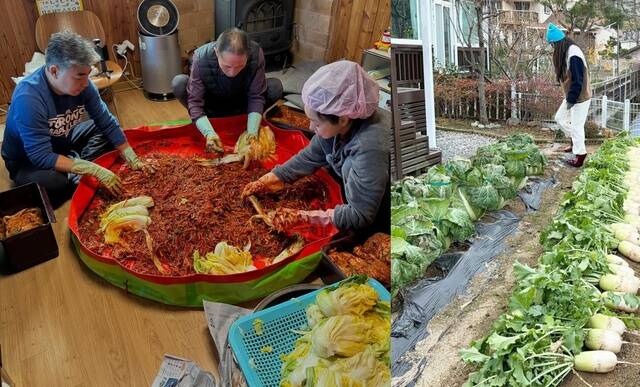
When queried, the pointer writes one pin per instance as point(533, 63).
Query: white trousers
point(572, 121)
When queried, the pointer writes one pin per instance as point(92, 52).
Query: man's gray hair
point(67, 48)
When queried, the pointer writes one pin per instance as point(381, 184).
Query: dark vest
point(225, 96)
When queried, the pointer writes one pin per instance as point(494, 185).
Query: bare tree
point(479, 15)
point(517, 49)
point(582, 15)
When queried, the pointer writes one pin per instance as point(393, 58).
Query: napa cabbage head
point(314, 315)
point(380, 320)
point(364, 366)
point(348, 298)
point(362, 369)
point(342, 335)
point(295, 363)
point(327, 377)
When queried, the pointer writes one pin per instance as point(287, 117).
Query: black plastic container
point(29, 248)
point(328, 270)
point(276, 110)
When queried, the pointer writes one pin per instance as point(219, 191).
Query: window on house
point(547, 10)
point(446, 32)
point(521, 5)
point(442, 35)
point(448, 26)
point(405, 19)
point(468, 30)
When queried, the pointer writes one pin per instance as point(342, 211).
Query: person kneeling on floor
point(227, 78)
point(48, 138)
point(351, 140)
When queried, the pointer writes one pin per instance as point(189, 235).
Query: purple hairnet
point(341, 88)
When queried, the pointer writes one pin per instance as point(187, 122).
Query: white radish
point(603, 339)
point(621, 305)
point(620, 283)
point(625, 232)
point(631, 176)
point(629, 250)
point(631, 207)
point(632, 199)
point(599, 362)
point(612, 258)
point(631, 210)
point(602, 321)
point(633, 190)
point(621, 270)
point(633, 220)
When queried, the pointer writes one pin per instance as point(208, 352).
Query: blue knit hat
point(554, 34)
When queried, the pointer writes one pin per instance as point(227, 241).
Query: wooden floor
point(62, 325)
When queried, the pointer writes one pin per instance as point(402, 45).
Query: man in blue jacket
point(48, 138)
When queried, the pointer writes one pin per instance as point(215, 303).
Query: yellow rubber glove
point(107, 178)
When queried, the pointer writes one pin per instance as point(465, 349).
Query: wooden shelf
point(380, 53)
point(376, 60)
point(411, 153)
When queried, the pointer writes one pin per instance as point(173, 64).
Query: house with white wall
point(449, 27)
point(532, 13)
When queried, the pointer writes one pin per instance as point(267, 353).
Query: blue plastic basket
point(262, 369)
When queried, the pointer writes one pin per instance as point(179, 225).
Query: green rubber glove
point(253, 123)
point(134, 162)
point(213, 140)
point(107, 178)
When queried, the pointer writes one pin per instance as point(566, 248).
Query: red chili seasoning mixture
point(292, 118)
point(195, 207)
point(372, 258)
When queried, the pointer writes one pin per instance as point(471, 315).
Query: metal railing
point(615, 115)
point(517, 17)
point(604, 112)
point(624, 86)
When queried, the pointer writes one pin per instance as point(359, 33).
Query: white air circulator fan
point(159, 47)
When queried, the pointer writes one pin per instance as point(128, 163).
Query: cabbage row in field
point(433, 211)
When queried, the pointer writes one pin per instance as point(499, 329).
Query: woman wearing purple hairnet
point(351, 139)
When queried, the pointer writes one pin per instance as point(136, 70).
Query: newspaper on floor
point(219, 319)
point(178, 372)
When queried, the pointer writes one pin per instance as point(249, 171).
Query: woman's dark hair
point(233, 40)
point(560, 49)
point(333, 119)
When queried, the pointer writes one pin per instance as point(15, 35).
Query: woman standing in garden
point(571, 71)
